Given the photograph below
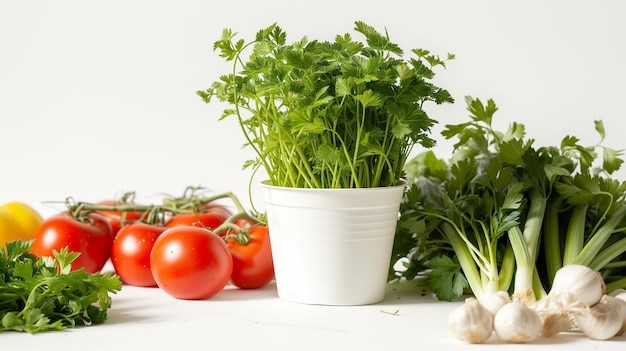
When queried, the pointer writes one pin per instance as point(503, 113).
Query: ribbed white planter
point(332, 246)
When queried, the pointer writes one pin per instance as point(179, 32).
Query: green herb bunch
point(323, 114)
point(43, 294)
point(501, 214)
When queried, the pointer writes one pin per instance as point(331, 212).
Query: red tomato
point(92, 239)
point(116, 217)
point(130, 253)
point(209, 220)
point(190, 263)
point(253, 266)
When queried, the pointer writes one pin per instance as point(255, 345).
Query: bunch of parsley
point(43, 294)
point(328, 114)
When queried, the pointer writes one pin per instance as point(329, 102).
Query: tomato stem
point(229, 223)
point(190, 202)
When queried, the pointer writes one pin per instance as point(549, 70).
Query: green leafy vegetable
point(322, 114)
point(508, 214)
point(448, 280)
point(42, 294)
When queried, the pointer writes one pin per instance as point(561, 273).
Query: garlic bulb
point(600, 322)
point(495, 301)
point(620, 306)
point(578, 284)
point(517, 323)
point(471, 322)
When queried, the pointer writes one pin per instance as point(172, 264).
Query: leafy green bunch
point(503, 214)
point(43, 294)
point(321, 114)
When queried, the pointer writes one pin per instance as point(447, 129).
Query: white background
point(98, 97)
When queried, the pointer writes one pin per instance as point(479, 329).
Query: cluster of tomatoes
point(191, 252)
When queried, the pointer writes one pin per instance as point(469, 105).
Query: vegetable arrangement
point(535, 234)
point(322, 114)
point(190, 247)
point(504, 215)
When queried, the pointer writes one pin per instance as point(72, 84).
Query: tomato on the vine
point(118, 218)
point(253, 266)
point(91, 237)
point(190, 263)
point(210, 220)
point(130, 253)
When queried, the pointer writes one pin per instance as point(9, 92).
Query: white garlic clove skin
point(495, 301)
point(620, 306)
point(471, 322)
point(600, 322)
point(616, 292)
point(517, 323)
point(555, 323)
point(620, 296)
point(554, 318)
point(579, 284)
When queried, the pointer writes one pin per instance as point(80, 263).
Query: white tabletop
point(148, 319)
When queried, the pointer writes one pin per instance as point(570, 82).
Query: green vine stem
point(189, 203)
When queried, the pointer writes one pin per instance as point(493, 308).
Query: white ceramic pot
point(332, 246)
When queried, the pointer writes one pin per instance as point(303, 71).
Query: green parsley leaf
point(446, 279)
point(43, 294)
